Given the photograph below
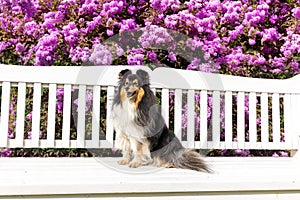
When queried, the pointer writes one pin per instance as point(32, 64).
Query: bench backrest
point(205, 110)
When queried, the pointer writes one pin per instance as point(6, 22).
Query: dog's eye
point(126, 83)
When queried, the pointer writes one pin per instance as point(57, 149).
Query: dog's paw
point(134, 164)
point(123, 162)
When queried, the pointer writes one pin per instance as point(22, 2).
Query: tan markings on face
point(123, 94)
point(135, 81)
point(139, 97)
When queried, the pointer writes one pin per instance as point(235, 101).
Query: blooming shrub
point(247, 38)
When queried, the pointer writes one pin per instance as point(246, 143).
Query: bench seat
point(101, 178)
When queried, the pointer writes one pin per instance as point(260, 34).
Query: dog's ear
point(144, 75)
point(123, 73)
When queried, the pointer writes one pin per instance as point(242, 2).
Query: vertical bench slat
point(228, 119)
point(178, 113)
point(241, 120)
point(67, 115)
point(96, 117)
point(109, 123)
point(216, 119)
point(191, 119)
point(81, 116)
point(5, 99)
point(276, 119)
point(252, 120)
point(51, 115)
point(203, 119)
point(295, 99)
point(165, 105)
point(287, 111)
point(19, 139)
point(264, 120)
point(36, 114)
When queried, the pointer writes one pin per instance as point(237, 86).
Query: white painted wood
point(107, 75)
point(241, 120)
point(203, 119)
point(276, 119)
point(184, 80)
point(67, 116)
point(178, 113)
point(81, 116)
point(5, 100)
point(295, 99)
point(36, 112)
point(109, 123)
point(264, 120)
point(19, 139)
point(191, 119)
point(51, 115)
point(228, 119)
point(96, 117)
point(252, 120)
point(165, 105)
point(233, 177)
point(216, 119)
point(287, 112)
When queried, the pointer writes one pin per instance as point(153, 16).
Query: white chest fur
point(123, 119)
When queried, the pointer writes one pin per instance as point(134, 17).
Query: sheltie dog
point(141, 131)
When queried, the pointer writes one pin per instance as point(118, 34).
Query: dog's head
point(131, 85)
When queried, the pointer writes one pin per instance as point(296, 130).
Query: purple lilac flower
point(155, 36)
point(4, 45)
point(88, 100)
point(296, 13)
point(128, 24)
point(135, 59)
point(152, 56)
point(172, 57)
point(20, 47)
point(45, 49)
point(101, 55)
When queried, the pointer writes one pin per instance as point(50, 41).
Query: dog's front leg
point(141, 153)
point(123, 143)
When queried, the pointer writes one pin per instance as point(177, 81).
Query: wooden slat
point(178, 113)
point(165, 105)
point(264, 120)
point(287, 112)
point(203, 119)
point(228, 119)
point(252, 120)
point(5, 99)
point(241, 120)
point(276, 119)
point(191, 119)
point(109, 123)
point(81, 116)
point(67, 116)
point(36, 114)
point(20, 115)
point(96, 117)
point(51, 115)
point(216, 119)
point(295, 103)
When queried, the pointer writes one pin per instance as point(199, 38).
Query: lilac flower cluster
point(248, 38)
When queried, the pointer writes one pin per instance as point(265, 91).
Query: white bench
point(101, 178)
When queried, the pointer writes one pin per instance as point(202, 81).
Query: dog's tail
point(189, 159)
